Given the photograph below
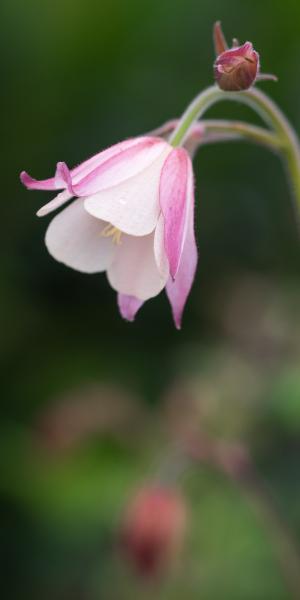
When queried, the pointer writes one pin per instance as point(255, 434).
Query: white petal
point(134, 270)
point(159, 248)
point(121, 165)
point(133, 205)
point(83, 169)
point(74, 238)
point(58, 201)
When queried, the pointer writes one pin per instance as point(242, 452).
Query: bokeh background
point(91, 406)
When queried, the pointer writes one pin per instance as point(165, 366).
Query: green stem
point(194, 112)
point(240, 130)
point(263, 106)
point(221, 130)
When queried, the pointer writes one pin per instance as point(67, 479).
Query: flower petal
point(129, 306)
point(178, 290)
point(74, 238)
point(87, 172)
point(34, 184)
point(134, 271)
point(159, 248)
point(174, 183)
point(78, 172)
point(133, 205)
point(89, 165)
point(121, 163)
point(63, 177)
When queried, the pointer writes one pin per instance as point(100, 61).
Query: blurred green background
point(87, 400)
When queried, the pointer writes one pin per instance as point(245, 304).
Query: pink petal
point(133, 271)
point(34, 184)
point(120, 166)
point(133, 205)
point(236, 52)
point(74, 238)
point(129, 306)
point(78, 172)
point(61, 180)
point(87, 171)
point(89, 165)
point(178, 290)
point(174, 181)
point(63, 177)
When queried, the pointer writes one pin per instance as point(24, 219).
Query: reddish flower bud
point(153, 529)
point(236, 69)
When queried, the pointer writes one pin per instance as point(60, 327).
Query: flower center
point(111, 231)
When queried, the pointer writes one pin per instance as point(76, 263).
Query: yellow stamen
point(111, 231)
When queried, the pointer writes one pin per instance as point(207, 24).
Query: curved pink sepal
point(107, 168)
point(178, 290)
point(129, 306)
point(63, 177)
point(172, 197)
point(34, 184)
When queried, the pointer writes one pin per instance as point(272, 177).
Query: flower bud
point(236, 69)
point(153, 529)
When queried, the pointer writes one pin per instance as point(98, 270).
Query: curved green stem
point(238, 130)
point(263, 106)
point(194, 112)
point(221, 130)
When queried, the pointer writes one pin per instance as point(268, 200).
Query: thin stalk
point(264, 107)
point(244, 131)
point(217, 130)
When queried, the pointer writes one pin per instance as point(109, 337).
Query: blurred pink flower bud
point(153, 529)
point(236, 69)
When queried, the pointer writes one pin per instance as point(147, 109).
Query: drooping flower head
point(153, 529)
point(132, 216)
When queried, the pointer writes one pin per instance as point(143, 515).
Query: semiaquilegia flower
point(132, 216)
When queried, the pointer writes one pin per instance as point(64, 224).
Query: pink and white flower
point(133, 217)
